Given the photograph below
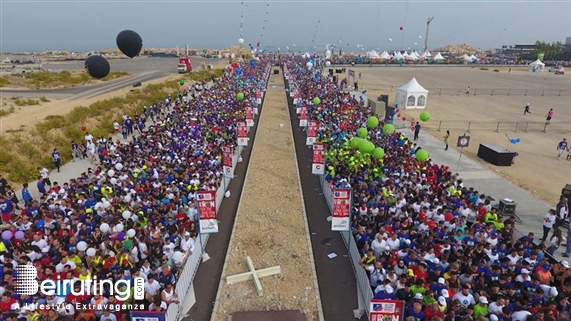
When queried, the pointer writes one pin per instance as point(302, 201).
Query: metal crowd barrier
point(185, 278)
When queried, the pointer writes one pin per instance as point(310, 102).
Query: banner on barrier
point(249, 116)
point(341, 213)
point(318, 163)
point(148, 316)
point(303, 117)
point(242, 131)
point(311, 132)
point(386, 310)
point(207, 212)
point(227, 161)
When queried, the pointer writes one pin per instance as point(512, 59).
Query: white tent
point(385, 55)
point(465, 58)
point(472, 58)
point(412, 95)
point(537, 66)
point(438, 57)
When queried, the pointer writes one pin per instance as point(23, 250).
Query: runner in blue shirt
point(56, 158)
point(561, 147)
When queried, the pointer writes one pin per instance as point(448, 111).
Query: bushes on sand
point(206, 75)
point(50, 79)
point(25, 152)
point(4, 81)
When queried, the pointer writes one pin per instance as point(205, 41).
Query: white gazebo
point(537, 66)
point(438, 57)
point(412, 95)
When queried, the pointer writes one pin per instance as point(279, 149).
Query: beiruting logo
point(27, 284)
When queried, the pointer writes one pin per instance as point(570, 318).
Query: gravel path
point(270, 226)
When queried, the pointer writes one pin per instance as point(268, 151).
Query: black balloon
point(129, 42)
point(97, 66)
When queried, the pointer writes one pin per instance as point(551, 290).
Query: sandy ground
point(270, 226)
point(536, 169)
point(25, 117)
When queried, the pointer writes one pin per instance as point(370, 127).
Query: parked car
point(555, 68)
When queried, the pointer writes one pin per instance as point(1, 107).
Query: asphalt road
point(337, 285)
point(141, 70)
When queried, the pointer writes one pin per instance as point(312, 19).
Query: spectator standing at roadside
point(561, 211)
point(561, 147)
point(548, 222)
point(26, 195)
point(45, 174)
point(416, 130)
point(75, 151)
point(56, 158)
point(3, 184)
point(568, 245)
point(90, 147)
point(447, 139)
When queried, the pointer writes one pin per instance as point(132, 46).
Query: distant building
point(516, 51)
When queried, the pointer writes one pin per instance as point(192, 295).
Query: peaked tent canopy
point(537, 66)
point(385, 55)
point(438, 57)
point(412, 95)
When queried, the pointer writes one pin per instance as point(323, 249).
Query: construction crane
point(426, 36)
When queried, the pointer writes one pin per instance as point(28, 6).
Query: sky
point(85, 25)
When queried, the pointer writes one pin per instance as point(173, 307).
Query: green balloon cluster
point(181, 82)
point(424, 116)
point(240, 96)
point(355, 142)
point(362, 132)
point(366, 147)
point(372, 122)
point(421, 155)
point(388, 129)
point(378, 153)
point(316, 101)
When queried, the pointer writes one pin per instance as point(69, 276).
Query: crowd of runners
point(426, 238)
point(131, 215)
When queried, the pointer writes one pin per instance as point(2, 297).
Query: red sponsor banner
point(227, 153)
point(303, 116)
point(312, 128)
point(303, 113)
point(386, 310)
point(249, 116)
point(341, 210)
point(311, 132)
point(207, 211)
point(318, 162)
point(242, 129)
point(318, 153)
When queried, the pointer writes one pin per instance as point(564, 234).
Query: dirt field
point(270, 226)
point(536, 168)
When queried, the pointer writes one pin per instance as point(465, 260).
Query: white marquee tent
point(385, 55)
point(536, 66)
point(438, 57)
point(412, 95)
